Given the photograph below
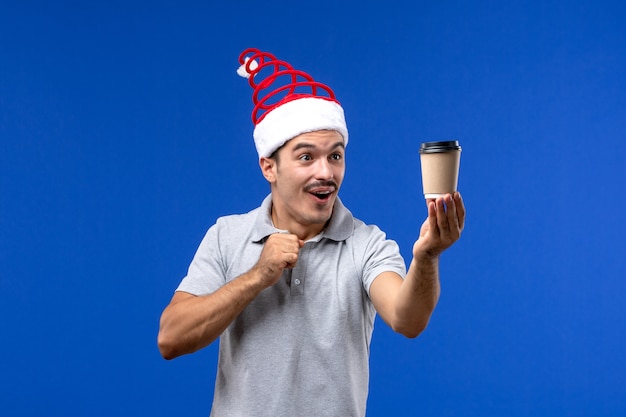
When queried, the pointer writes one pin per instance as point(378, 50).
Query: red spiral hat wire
point(280, 69)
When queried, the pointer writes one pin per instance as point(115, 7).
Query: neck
point(304, 232)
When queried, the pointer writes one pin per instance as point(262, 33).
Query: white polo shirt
point(301, 348)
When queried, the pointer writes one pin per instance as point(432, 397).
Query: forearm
point(195, 322)
point(418, 296)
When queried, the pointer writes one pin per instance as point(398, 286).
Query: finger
point(286, 240)
point(291, 259)
point(432, 217)
point(460, 209)
point(289, 252)
point(292, 244)
point(442, 220)
point(279, 245)
point(451, 213)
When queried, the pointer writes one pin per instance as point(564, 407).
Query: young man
point(292, 288)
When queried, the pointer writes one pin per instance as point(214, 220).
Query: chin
point(318, 214)
point(320, 219)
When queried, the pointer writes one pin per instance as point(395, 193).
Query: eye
point(305, 157)
point(336, 157)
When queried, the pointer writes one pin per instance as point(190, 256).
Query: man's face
point(305, 178)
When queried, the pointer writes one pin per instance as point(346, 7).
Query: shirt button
point(297, 281)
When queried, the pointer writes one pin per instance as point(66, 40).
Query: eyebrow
point(304, 145)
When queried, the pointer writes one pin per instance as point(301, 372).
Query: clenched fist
point(280, 251)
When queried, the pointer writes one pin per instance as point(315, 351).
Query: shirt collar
point(339, 228)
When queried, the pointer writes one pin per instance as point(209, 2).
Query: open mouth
point(322, 195)
point(322, 191)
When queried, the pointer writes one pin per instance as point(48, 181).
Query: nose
point(324, 169)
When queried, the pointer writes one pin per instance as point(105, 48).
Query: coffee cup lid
point(435, 147)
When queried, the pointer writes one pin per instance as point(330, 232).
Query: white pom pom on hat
point(294, 104)
point(243, 72)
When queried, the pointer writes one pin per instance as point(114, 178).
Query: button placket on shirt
point(298, 273)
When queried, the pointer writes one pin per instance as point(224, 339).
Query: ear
point(268, 168)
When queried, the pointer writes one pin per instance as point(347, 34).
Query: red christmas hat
point(291, 102)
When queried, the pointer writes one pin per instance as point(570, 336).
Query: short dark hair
point(274, 155)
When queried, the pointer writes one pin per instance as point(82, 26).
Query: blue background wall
point(125, 133)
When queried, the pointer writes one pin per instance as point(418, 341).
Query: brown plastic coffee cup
point(440, 163)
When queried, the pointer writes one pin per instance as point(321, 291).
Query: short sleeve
point(380, 255)
point(206, 271)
